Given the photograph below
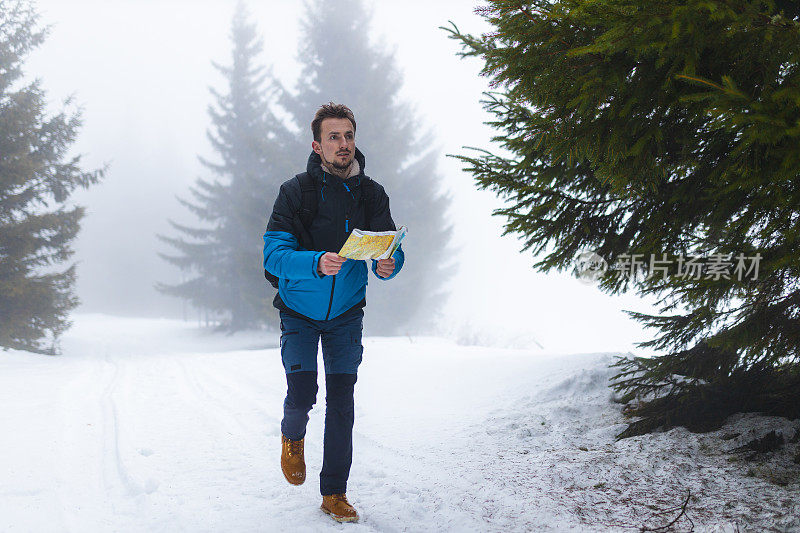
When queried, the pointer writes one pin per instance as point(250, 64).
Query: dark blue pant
point(341, 353)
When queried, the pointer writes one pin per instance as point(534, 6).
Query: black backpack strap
point(308, 209)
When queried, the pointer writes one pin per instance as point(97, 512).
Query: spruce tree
point(652, 128)
point(339, 64)
point(37, 177)
point(221, 257)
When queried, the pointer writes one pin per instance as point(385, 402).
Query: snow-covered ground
point(152, 425)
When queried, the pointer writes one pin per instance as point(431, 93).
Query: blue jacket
point(301, 290)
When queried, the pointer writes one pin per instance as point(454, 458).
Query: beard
point(339, 166)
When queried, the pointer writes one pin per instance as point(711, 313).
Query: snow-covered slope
point(151, 425)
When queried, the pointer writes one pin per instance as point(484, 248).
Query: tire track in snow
point(234, 387)
point(253, 468)
point(220, 406)
point(111, 437)
point(247, 450)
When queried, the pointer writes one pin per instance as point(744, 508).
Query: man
point(321, 294)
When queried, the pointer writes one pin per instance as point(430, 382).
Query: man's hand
point(385, 267)
point(330, 263)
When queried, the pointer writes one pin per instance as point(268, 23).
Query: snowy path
point(146, 425)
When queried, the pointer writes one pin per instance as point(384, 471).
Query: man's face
point(337, 145)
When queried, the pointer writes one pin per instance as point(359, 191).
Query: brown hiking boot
point(339, 508)
point(292, 462)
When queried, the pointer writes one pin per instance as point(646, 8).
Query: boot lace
point(295, 447)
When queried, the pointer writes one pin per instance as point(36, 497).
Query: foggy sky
point(141, 70)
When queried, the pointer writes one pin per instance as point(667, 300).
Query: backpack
point(304, 216)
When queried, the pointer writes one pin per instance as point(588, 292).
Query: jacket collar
point(314, 167)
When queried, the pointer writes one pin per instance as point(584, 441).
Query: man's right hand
point(330, 263)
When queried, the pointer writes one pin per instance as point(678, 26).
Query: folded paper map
point(363, 244)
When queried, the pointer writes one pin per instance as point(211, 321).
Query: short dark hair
point(330, 110)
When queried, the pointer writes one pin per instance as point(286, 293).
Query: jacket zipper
point(330, 303)
point(346, 230)
point(349, 210)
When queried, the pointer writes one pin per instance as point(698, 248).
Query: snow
point(155, 425)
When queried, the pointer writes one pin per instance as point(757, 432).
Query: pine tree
point(340, 65)
point(37, 226)
point(222, 256)
point(671, 127)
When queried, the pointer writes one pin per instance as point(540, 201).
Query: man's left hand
point(385, 267)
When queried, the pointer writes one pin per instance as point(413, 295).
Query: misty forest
point(591, 322)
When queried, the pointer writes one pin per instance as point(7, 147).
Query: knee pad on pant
point(339, 389)
point(301, 390)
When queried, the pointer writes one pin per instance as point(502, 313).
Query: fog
point(141, 71)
